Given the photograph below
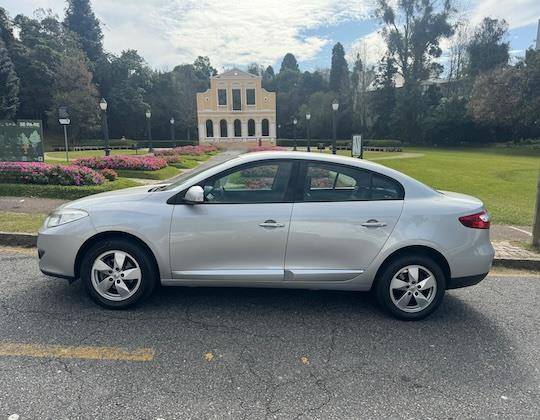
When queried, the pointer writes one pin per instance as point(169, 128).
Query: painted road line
point(140, 354)
point(520, 230)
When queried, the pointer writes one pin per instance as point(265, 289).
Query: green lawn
point(165, 173)
point(505, 180)
point(69, 192)
point(20, 222)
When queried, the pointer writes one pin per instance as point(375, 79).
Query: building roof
point(235, 73)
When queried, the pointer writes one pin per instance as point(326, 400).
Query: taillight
point(476, 221)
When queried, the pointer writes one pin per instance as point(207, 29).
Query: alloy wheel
point(116, 275)
point(413, 288)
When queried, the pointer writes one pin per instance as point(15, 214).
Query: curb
point(29, 240)
point(25, 240)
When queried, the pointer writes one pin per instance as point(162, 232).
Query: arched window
point(265, 128)
point(237, 128)
point(251, 128)
point(209, 128)
point(223, 128)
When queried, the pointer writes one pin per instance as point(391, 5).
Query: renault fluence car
point(274, 219)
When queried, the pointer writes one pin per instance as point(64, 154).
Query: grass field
point(20, 222)
point(505, 180)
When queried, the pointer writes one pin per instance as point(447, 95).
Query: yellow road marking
point(140, 354)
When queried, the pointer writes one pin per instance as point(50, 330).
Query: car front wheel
point(411, 287)
point(118, 273)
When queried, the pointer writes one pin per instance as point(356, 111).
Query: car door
point(240, 231)
point(341, 218)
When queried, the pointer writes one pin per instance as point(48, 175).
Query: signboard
point(21, 141)
point(357, 146)
point(64, 121)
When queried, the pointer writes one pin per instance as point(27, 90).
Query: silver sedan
point(274, 219)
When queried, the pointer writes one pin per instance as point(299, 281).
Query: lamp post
point(308, 117)
point(149, 130)
point(172, 130)
point(294, 121)
point(105, 125)
point(335, 106)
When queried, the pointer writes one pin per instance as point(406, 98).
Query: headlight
point(61, 217)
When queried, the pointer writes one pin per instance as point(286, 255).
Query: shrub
point(140, 163)
point(43, 173)
point(266, 148)
point(170, 159)
point(382, 143)
point(109, 174)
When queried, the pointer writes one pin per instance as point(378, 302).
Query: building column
point(230, 129)
point(244, 128)
point(272, 129)
point(217, 131)
point(258, 128)
point(202, 132)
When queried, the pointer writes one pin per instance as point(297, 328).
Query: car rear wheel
point(411, 287)
point(118, 273)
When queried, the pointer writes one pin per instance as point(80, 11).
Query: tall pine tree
point(9, 84)
point(289, 63)
point(81, 20)
point(339, 72)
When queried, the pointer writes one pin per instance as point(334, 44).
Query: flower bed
point(142, 163)
point(109, 174)
point(43, 173)
point(201, 149)
point(266, 148)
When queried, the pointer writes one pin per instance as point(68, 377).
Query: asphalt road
point(254, 353)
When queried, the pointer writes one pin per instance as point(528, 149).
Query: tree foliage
point(486, 50)
point(9, 85)
point(80, 19)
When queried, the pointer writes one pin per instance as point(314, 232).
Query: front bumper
point(58, 247)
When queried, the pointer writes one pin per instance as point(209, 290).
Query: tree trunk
point(536, 225)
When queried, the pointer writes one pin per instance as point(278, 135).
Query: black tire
point(383, 293)
point(148, 281)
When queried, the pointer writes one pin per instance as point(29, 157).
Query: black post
point(149, 133)
point(308, 137)
point(334, 132)
point(105, 128)
point(172, 133)
point(294, 134)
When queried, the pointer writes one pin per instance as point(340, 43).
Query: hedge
point(142, 163)
point(44, 173)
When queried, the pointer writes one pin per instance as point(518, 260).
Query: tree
point(289, 63)
point(203, 68)
point(413, 30)
point(81, 20)
point(255, 69)
point(9, 85)
point(75, 90)
point(339, 71)
point(383, 100)
point(268, 78)
point(486, 49)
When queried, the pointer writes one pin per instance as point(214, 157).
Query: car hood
point(123, 195)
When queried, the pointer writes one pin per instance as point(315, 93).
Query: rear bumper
point(458, 282)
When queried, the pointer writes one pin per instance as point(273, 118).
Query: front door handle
point(373, 223)
point(271, 224)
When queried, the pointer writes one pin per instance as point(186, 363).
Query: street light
point(149, 130)
point(172, 130)
point(294, 121)
point(308, 117)
point(335, 106)
point(105, 125)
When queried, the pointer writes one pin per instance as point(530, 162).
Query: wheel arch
point(103, 236)
point(415, 250)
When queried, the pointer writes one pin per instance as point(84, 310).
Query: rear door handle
point(373, 223)
point(271, 224)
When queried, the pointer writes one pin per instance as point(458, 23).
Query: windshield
point(180, 179)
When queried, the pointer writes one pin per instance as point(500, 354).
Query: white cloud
point(517, 13)
point(371, 48)
point(169, 32)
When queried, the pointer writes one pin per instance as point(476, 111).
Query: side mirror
point(194, 195)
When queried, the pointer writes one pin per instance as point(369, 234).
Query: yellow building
point(236, 109)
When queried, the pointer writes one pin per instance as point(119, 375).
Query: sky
point(239, 32)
